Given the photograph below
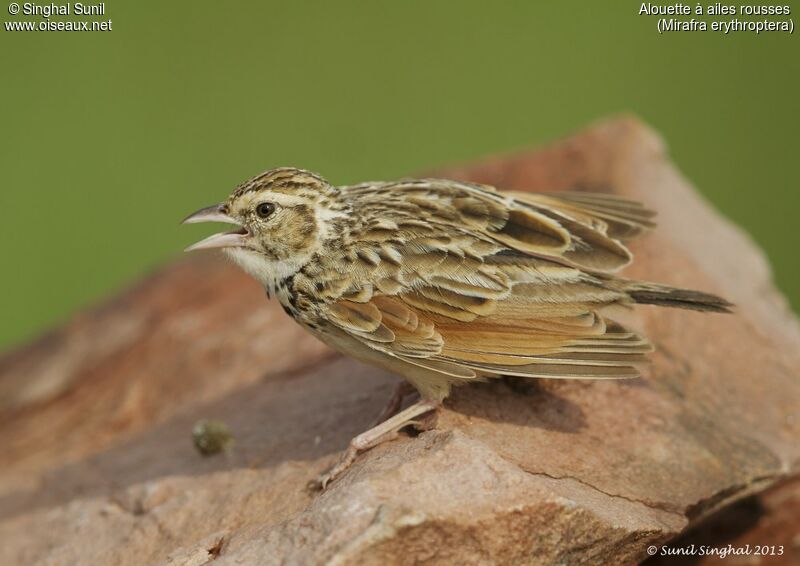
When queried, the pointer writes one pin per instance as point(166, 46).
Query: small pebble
point(211, 437)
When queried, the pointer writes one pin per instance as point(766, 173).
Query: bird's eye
point(265, 209)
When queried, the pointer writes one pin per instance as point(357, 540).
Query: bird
point(446, 282)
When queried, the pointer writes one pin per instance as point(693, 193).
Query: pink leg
point(374, 436)
point(401, 391)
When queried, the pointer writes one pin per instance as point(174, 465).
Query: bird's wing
point(461, 279)
point(581, 229)
point(580, 345)
point(614, 216)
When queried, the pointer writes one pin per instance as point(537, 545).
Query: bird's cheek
point(270, 244)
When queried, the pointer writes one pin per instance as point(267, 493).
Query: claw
point(387, 430)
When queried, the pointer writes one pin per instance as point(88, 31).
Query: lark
point(445, 282)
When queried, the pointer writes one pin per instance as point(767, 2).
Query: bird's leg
point(374, 436)
point(401, 391)
point(425, 422)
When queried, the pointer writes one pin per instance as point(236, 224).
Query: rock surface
point(763, 529)
point(96, 417)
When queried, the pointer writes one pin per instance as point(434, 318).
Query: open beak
point(216, 213)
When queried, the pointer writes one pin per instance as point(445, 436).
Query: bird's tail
point(666, 296)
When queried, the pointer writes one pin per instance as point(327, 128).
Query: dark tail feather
point(662, 295)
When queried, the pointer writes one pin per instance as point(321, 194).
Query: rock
point(762, 529)
point(96, 417)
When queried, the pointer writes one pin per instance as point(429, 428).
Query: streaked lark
point(445, 282)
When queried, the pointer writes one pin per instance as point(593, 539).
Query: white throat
point(266, 271)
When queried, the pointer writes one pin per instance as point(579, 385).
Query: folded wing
point(467, 281)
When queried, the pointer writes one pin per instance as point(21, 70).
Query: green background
point(108, 139)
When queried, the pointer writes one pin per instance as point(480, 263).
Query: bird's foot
point(320, 483)
point(387, 430)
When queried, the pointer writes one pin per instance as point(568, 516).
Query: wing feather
point(616, 217)
point(462, 280)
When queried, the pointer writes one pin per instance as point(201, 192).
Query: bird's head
point(282, 216)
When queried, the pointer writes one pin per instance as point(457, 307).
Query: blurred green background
point(108, 139)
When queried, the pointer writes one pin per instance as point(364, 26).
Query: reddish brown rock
point(96, 417)
point(763, 529)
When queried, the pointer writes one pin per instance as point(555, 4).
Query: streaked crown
point(287, 180)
